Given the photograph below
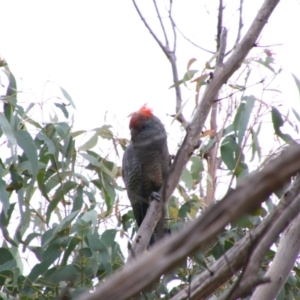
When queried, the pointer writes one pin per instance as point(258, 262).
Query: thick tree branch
point(234, 259)
point(245, 288)
point(253, 266)
point(221, 75)
point(283, 261)
point(198, 235)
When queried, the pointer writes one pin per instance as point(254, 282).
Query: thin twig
point(240, 26)
point(220, 76)
point(212, 159)
point(172, 26)
point(240, 22)
point(222, 48)
point(163, 48)
point(171, 55)
point(189, 40)
point(220, 23)
point(161, 24)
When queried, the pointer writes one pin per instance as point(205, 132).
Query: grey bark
point(199, 234)
point(233, 260)
point(286, 255)
point(220, 76)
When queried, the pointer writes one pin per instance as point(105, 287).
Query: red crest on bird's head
point(140, 116)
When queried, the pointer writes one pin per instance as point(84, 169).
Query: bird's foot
point(155, 196)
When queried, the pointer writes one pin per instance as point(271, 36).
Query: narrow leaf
point(72, 245)
point(61, 274)
point(297, 81)
point(95, 161)
point(63, 109)
point(5, 256)
point(77, 133)
point(105, 132)
point(108, 237)
point(78, 201)
point(25, 141)
point(91, 216)
point(4, 196)
point(9, 265)
point(68, 97)
point(255, 144)
point(229, 149)
point(296, 114)
point(59, 195)
point(196, 167)
point(51, 148)
point(190, 62)
point(276, 119)
point(92, 142)
point(277, 123)
point(242, 117)
point(187, 178)
point(7, 129)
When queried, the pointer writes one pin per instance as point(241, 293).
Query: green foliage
point(277, 123)
point(55, 198)
point(60, 202)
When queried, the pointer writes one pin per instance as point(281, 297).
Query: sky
point(101, 53)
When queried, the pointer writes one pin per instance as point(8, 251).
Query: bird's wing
point(132, 175)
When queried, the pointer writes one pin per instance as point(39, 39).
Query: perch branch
point(197, 235)
point(220, 76)
point(224, 268)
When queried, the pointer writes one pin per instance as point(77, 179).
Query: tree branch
point(199, 234)
point(220, 23)
point(212, 157)
point(240, 22)
point(222, 46)
point(173, 26)
point(240, 26)
point(161, 45)
point(232, 261)
point(219, 78)
point(283, 261)
point(189, 40)
point(170, 55)
point(254, 263)
point(161, 24)
point(221, 75)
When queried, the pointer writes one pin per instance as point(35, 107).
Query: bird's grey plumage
point(145, 165)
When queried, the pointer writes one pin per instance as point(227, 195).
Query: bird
point(145, 166)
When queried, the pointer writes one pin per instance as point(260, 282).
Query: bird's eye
point(144, 126)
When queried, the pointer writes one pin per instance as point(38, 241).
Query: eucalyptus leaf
point(7, 129)
point(25, 141)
